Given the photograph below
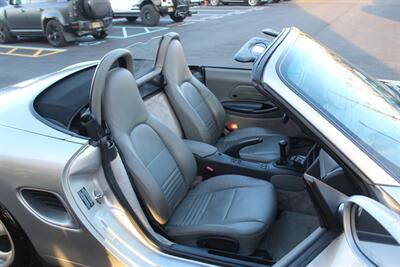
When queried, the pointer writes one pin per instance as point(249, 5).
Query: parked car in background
point(196, 2)
point(249, 2)
point(61, 21)
point(150, 11)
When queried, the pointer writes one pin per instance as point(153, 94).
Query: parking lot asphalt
point(366, 32)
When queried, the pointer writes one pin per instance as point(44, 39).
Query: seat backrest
point(200, 113)
point(160, 164)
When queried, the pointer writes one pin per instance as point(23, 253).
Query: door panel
point(16, 15)
point(246, 92)
point(232, 85)
point(243, 103)
point(33, 13)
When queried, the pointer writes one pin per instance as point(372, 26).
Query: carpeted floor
point(284, 234)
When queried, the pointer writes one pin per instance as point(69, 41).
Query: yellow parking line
point(30, 52)
point(37, 53)
point(12, 51)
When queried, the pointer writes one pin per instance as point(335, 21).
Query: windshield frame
point(325, 114)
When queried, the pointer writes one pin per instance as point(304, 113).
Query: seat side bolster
point(214, 105)
point(193, 126)
point(178, 149)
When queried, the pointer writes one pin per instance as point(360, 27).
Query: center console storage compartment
point(220, 163)
point(211, 163)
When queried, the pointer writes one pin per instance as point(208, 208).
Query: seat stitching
point(198, 104)
point(230, 205)
point(174, 184)
point(191, 203)
point(192, 211)
point(156, 156)
point(229, 188)
point(200, 214)
point(199, 207)
point(168, 180)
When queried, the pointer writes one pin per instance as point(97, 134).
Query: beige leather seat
point(229, 212)
point(201, 114)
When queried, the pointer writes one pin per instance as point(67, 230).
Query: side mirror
point(372, 231)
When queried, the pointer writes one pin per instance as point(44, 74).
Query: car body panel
point(329, 256)
point(107, 220)
point(16, 104)
point(22, 159)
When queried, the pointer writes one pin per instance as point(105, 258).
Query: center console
point(211, 162)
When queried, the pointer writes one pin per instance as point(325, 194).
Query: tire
point(177, 18)
point(5, 34)
point(97, 9)
point(55, 34)
point(214, 2)
point(15, 245)
point(100, 35)
point(253, 2)
point(132, 19)
point(149, 15)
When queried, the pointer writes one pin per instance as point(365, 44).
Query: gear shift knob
point(282, 149)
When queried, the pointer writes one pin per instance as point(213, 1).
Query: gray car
point(145, 161)
point(60, 21)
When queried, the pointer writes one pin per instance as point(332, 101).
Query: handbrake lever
point(234, 149)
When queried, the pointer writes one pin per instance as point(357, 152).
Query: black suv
point(61, 21)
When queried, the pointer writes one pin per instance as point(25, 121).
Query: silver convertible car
point(142, 160)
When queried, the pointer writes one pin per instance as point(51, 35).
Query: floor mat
point(284, 234)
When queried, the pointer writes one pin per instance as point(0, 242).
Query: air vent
point(48, 207)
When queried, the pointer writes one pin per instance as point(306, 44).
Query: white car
point(150, 11)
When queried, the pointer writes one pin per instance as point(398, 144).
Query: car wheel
point(149, 15)
point(214, 2)
point(15, 249)
point(5, 34)
point(177, 18)
point(55, 34)
point(131, 19)
point(253, 2)
point(100, 35)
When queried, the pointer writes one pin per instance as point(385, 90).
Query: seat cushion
point(266, 151)
point(233, 206)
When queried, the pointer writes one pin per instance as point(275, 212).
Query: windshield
point(144, 56)
point(366, 110)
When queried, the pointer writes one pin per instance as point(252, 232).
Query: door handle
point(249, 107)
point(23, 10)
point(41, 9)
